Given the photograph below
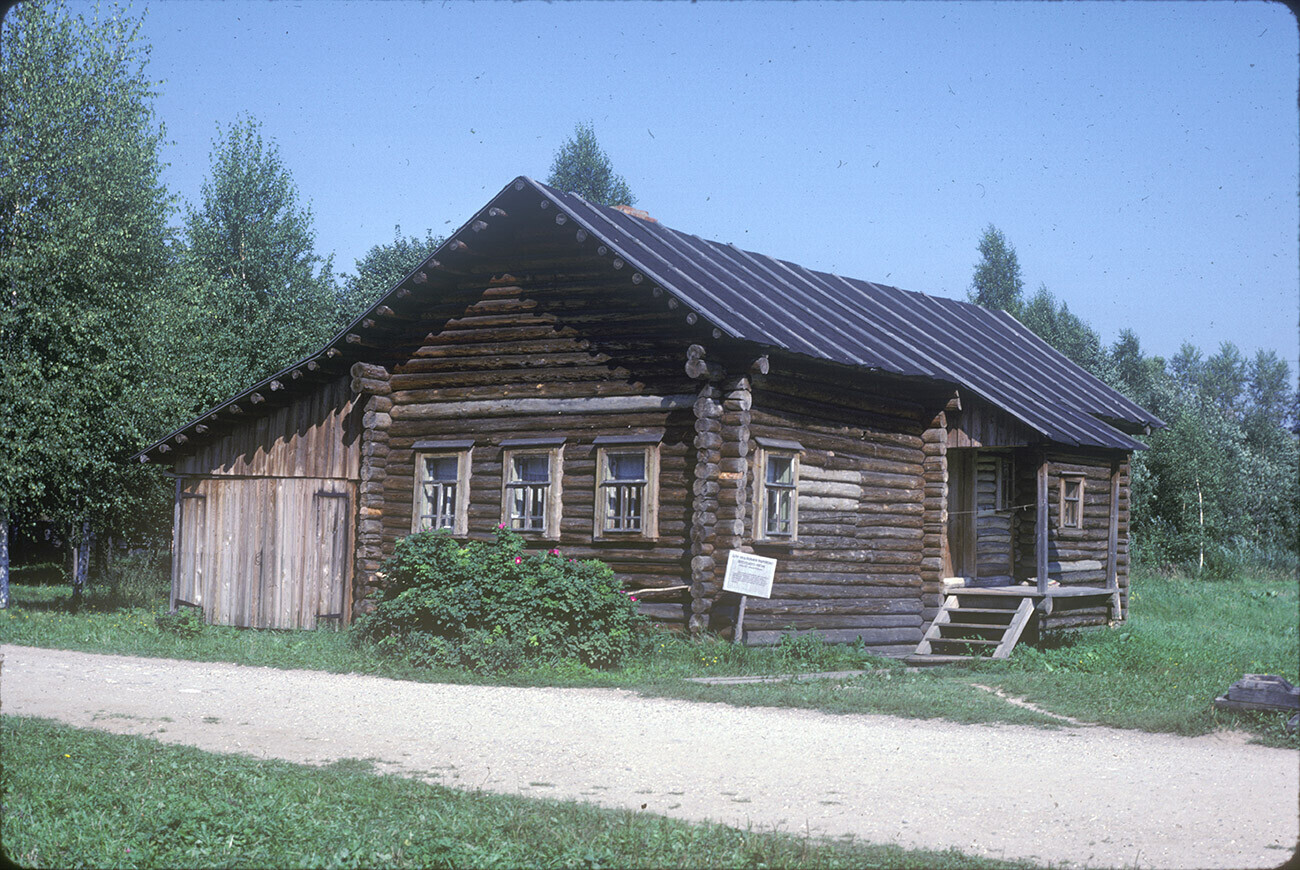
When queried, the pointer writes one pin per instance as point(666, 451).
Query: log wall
point(560, 359)
point(867, 559)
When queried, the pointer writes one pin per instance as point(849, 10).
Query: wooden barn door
point(191, 551)
point(326, 595)
point(960, 558)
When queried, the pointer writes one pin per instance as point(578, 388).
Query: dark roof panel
point(778, 304)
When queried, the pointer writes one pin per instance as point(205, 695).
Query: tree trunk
point(81, 562)
point(1200, 538)
point(4, 558)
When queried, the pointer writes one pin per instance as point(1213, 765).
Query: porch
point(980, 621)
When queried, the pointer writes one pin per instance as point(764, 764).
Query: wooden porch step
point(983, 626)
point(939, 638)
point(964, 641)
point(979, 611)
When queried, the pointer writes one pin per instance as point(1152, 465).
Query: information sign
point(748, 574)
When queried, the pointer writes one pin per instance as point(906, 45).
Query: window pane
point(441, 468)
point(623, 507)
point(528, 508)
point(625, 466)
point(778, 511)
point(531, 468)
point(780, 470)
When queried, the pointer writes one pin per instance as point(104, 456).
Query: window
point(441, 486)
point(627, 487)
point(530, 497)
point(1004, 470)
point(777, 508)
point(1071, 508)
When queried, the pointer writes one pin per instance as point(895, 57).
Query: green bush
point(493, 607)
point(185, 622)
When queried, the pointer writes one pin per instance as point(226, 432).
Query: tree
point(382, 267)
point(997, 282)
point(266, 297)
point(582, 167)
point(1065, 331)
point(83, 218)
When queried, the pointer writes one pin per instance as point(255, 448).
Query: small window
point(530, 500)
point(778, 495)
point(627, 483)
point(442, 490)
point(1005, 472)
point(1071, 507)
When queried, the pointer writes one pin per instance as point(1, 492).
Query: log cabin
point(624, 391)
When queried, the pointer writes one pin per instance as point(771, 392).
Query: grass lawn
point(1185, 643)
point(74, 798)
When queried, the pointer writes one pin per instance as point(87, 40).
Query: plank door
point(331, 560)
point(959, 560)
point(191, 550)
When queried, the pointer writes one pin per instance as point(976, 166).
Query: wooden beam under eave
point(1112, 544)
point(1040, 525)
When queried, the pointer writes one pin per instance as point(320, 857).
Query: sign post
point(747, 575)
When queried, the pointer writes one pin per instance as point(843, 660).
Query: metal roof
point(774, 303)
point(781, 305)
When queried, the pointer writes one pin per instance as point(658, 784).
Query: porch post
point(1112, 543)
point(1040, 524)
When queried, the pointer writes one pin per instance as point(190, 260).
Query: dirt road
point(1084, 796)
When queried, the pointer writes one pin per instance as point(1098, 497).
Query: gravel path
point(1087, 796)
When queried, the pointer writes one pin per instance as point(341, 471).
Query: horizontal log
point(861, 620)
point(871, 637)
point(368, 371)
point(837, 606)
point(528, 407)
point(700, 369)
point(376, 420)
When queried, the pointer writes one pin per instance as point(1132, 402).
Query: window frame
point(767, 449)
point(1004, 483)
point(1065, 501)
point(423, 450)
point(648, 446)
point(553, 450)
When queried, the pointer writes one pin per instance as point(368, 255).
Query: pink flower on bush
point(633, 597)
point(555, 551)
point(518, 559)
point(501, 525)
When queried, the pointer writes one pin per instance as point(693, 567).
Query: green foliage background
point(1219, 488)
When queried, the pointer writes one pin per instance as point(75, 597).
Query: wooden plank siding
point(266, 552)
point(317, 435)
point(267, 516)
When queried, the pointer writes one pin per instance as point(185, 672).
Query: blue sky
point(1142, 157)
